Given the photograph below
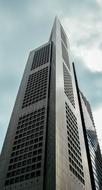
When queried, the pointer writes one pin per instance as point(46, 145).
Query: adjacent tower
point(92, 145)
point(45, 146)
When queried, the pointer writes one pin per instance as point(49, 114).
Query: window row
point(23, 170)
point(73, 137)
point(28, 146)
point(74, 144)
point(27, 149)
point(27, 143)
point(79, 162)
point(76, 166)
point(28, 136)
point(25, 162)
point(36, 89)
point(74, 152)
point(23, 177)
point(26, 155)
point(41, 56)
point(72, 130)
point(76, 174)
point(29, 130)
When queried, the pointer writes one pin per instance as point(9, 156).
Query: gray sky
point(26, 24)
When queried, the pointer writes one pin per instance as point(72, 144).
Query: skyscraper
point(92, 145)
point(46, 143)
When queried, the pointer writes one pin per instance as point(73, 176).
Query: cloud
point(85, 41)
point(92, 58)
point(99, 2)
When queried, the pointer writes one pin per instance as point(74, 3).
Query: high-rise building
point(92, 145)
point(49, 143)
point(91, 141)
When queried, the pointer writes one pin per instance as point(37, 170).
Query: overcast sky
point(26, 24)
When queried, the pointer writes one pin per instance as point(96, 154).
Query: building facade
point(93, 149)
point(45, 145)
